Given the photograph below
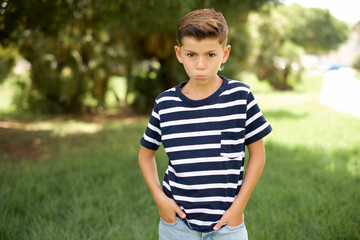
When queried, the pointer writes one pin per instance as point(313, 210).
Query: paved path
point(341, 91)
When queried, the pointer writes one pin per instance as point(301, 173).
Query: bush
point(356, 62)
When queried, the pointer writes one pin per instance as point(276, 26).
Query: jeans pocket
point(242, 225)
point(170, 224)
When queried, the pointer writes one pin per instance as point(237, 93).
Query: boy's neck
point(195, 90)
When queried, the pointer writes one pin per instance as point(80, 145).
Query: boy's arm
point(233, 216)
point(166, 206)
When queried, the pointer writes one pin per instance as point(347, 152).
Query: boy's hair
point(201, 24)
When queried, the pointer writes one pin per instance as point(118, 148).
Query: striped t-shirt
point(205, 142)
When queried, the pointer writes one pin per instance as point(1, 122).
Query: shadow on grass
point(45, 137)
point(18, 145)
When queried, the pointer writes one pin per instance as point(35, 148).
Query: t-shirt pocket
point(232, 144)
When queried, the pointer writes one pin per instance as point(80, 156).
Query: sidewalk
point(341, 91)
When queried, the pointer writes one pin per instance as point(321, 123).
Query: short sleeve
point(256, 126)
point(152, 136)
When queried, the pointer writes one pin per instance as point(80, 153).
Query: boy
point(204, 125)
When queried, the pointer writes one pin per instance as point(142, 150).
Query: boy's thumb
point(218, 225)
point(180, 212)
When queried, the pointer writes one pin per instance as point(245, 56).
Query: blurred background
point(78, 80)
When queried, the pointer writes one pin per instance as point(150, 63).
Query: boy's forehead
point(193, 44)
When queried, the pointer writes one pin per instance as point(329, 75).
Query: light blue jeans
point(179, 231)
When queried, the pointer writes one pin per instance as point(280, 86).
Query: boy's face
point(202, 58)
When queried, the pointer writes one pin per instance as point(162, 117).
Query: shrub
point(356, 62)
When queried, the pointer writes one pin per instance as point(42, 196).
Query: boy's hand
point(234, 215)
point(168, 209)
point(230, 218)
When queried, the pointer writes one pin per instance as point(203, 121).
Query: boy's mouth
point(200, 77)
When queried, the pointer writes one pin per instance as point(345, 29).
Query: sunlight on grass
point(57, 128)
point(72, 127)
point(353, 166)
point(306, 91)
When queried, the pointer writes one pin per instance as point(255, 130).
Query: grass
point(86, 184)
point(87, 192)
point(309, 189)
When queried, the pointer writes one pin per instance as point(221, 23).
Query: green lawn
point(83, 182)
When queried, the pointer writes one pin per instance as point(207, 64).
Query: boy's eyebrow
point(188, 50)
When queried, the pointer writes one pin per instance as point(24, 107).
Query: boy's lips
point(200, 77)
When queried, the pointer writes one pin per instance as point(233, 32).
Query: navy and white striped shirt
point(205, 142)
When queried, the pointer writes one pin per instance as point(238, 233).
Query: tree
point(69, 59)
point(7, 61)
point(356, 61)
point(285, 32)
point(75, 46)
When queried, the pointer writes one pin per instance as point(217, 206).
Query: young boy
point(204, 125)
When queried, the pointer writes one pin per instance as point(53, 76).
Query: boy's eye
point(211, 54)
point(191, 54)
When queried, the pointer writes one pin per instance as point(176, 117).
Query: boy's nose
point(200, 64)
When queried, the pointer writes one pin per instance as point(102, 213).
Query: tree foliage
point(356, 61)
point(75, 46)
point(320, 31)
point(285, 32)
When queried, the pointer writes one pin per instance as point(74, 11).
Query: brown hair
point(201, 24)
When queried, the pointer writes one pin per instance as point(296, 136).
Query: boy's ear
point(178, 53)
point(226, 53)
